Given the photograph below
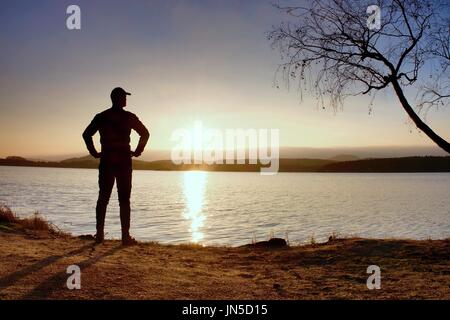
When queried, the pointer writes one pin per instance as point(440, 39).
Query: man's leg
point(123, 178)
point(106, 184)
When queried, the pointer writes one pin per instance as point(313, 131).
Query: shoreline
point(288, 165)
point(312, 239)
point(35, 260)
point(232, 171)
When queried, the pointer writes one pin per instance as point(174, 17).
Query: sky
point(183, 61)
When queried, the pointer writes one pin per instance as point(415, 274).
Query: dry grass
point(35, 268)
point(6, 215)
point(34, 223)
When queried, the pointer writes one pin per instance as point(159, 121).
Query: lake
point(233, 208)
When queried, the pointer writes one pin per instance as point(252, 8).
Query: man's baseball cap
point(119, 92)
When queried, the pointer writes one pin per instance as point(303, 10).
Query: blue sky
point(183, 61)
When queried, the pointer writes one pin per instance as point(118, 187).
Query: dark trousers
point(121, 172)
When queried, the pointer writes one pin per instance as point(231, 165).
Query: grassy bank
point(34, 257)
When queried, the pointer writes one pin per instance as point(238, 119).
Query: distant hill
point(344, 157)
point(81, 162)
point(406, 164)
point(85, 158)
point(293, 153)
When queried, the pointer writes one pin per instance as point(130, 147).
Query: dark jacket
point(114, 126)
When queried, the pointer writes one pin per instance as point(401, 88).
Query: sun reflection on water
point(194, 189)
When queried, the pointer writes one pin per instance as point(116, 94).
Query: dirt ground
point(34, 264)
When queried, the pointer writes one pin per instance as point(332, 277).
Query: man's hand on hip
point(96, 155)
point(135, 154)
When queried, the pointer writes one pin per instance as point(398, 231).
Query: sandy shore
point(34, 263)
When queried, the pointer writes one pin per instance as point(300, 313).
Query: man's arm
point(91, 129)
point(139, 127)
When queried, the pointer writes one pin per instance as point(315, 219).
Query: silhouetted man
point(115, 126)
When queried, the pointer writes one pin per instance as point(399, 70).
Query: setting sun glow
point(194, 189)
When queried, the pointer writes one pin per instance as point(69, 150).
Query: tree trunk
point(416, 119)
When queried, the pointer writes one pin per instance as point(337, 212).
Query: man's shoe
point(128, 241)
point(99, 237)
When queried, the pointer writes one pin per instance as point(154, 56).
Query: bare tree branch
point(330, 41)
